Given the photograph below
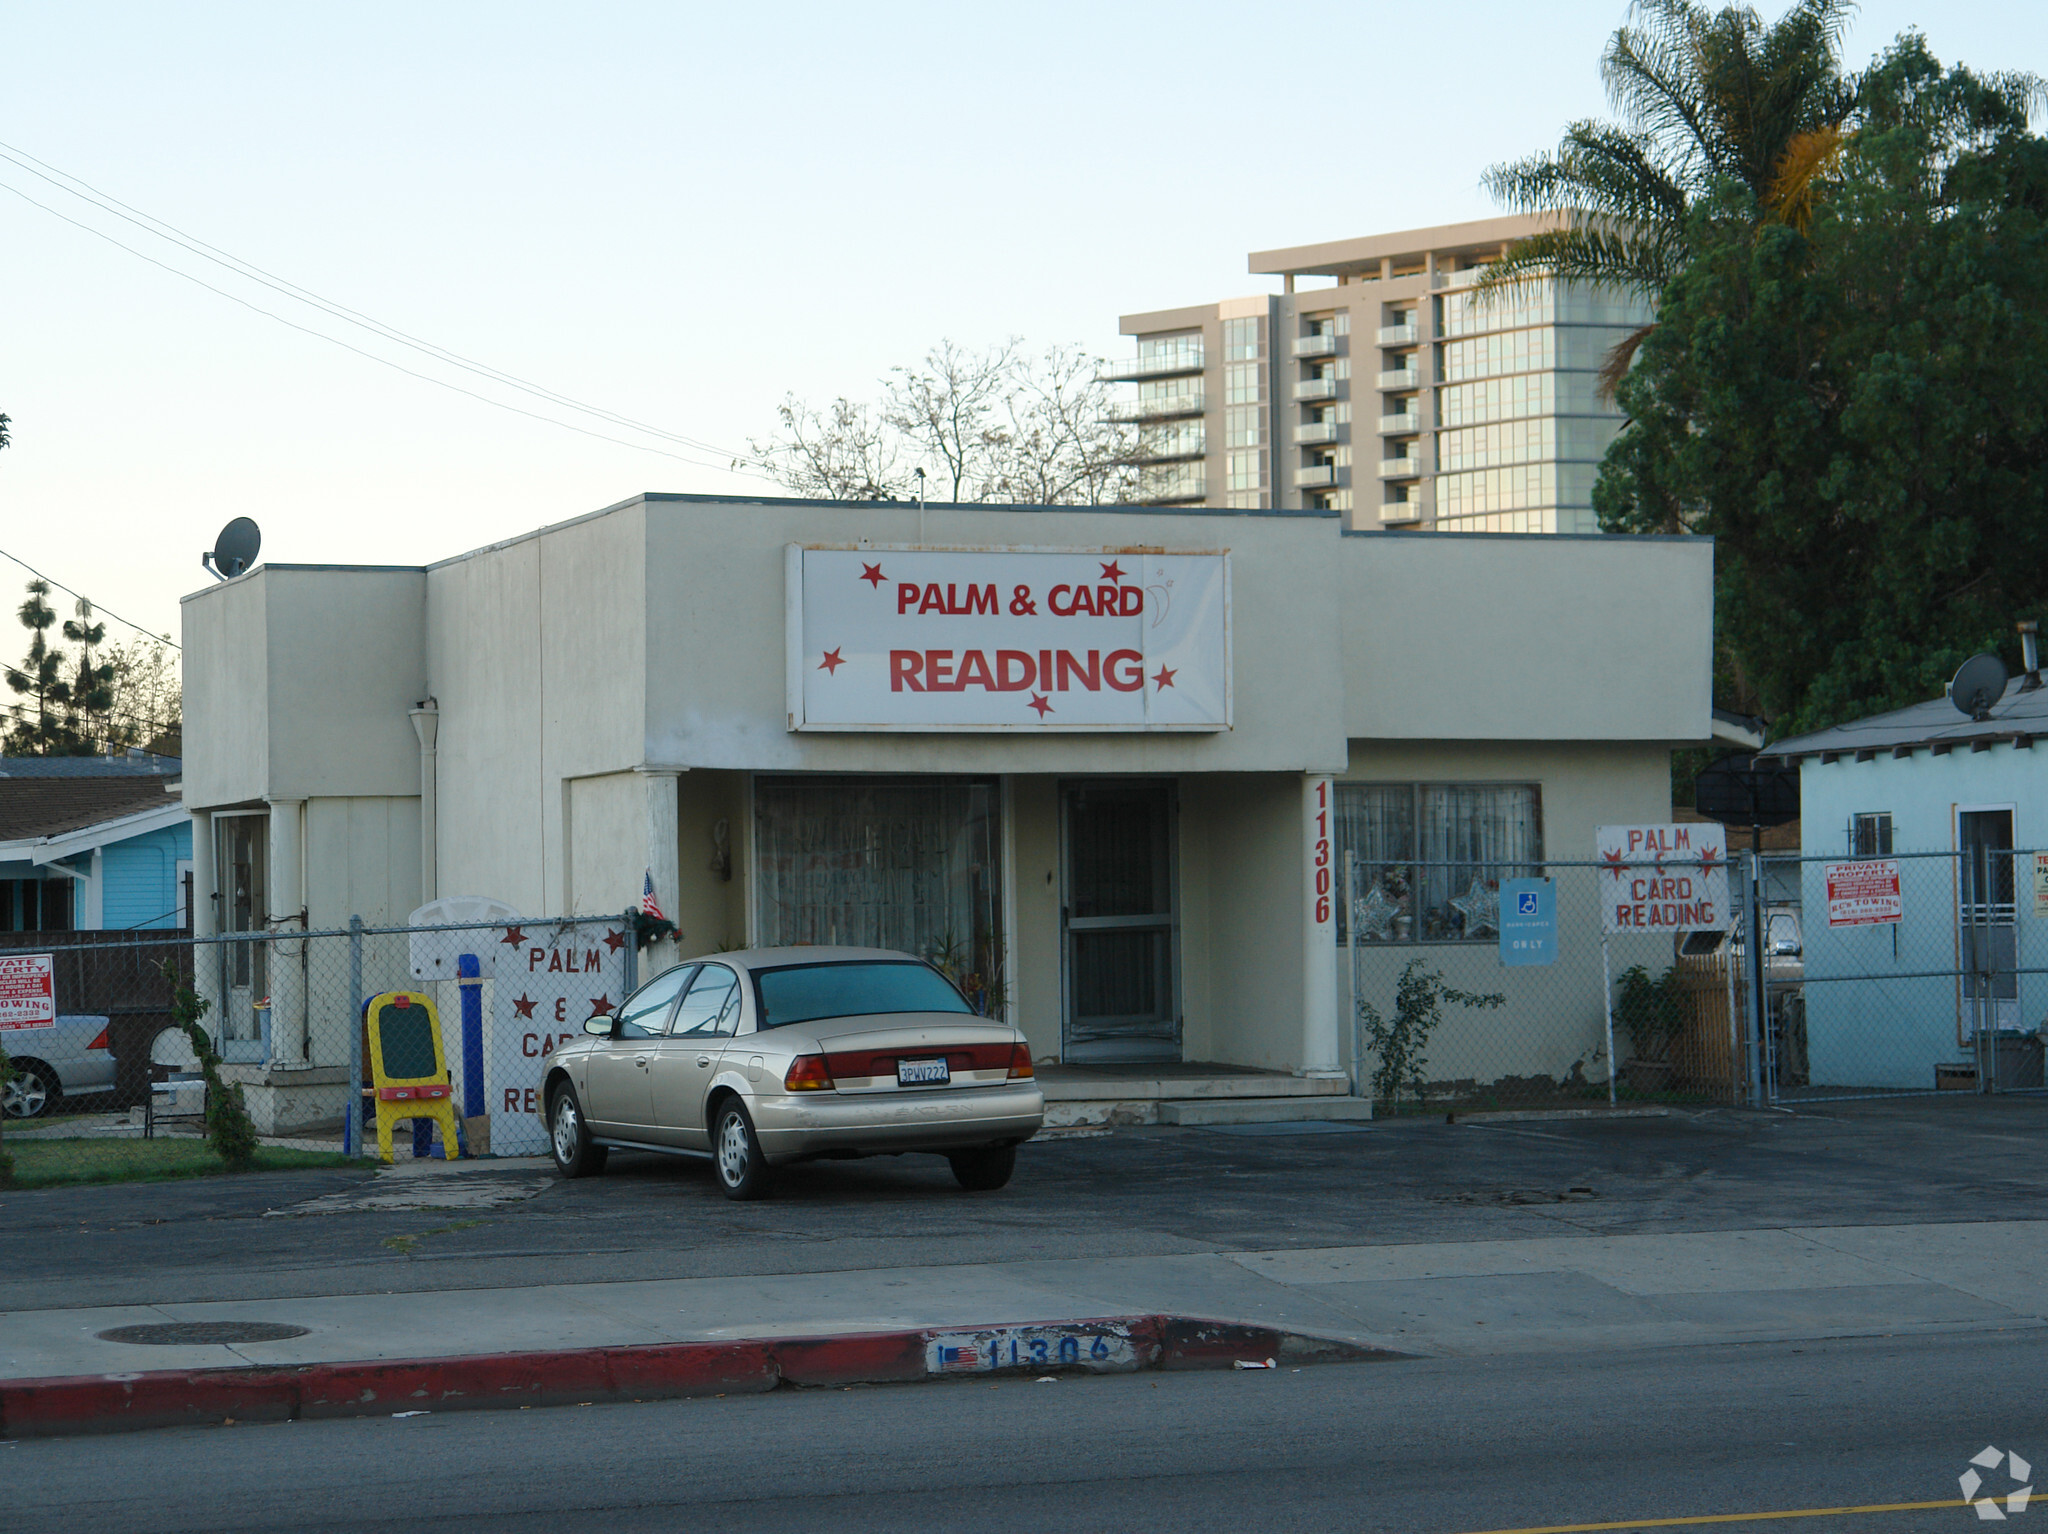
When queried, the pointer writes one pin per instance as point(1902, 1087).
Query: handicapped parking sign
point(1528, 921)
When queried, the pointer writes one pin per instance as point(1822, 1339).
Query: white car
point(47, 1065)
point(771, 1055)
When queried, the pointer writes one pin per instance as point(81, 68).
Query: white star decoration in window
point(1480, 906)
point(1374, 913)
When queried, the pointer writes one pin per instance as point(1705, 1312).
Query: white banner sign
point(898, 639)
point(28, 990)
point(1663, 878)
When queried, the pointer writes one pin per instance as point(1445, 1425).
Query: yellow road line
point(1672, 1523)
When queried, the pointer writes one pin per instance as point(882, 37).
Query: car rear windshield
point(802, 993)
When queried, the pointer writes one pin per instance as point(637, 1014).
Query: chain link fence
point(113, 1088)
point(1911, 972)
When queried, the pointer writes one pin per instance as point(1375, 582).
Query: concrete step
point(1264, 1110)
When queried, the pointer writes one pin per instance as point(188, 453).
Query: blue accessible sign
point(1528, 921)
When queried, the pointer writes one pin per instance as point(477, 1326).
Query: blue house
point(1956, 803)
point(93, 844)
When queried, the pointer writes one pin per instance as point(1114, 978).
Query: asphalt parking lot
point(1128, 1193)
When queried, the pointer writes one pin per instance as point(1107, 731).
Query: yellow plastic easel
point(408, 1068)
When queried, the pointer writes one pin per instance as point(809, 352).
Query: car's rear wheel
point(984, 1171)
point(569, 1137)
point(742, 1172)
point(32, 1089)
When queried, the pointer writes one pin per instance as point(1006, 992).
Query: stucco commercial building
point(1099, 762)
point(1386, 390)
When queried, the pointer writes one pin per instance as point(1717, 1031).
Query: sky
point(679, 213)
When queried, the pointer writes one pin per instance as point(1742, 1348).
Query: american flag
point(648, 903)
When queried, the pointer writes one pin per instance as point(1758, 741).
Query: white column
point(206, 959)
point(664, 859)
point(426, 723)
point(1319, 897)
point(287, 955)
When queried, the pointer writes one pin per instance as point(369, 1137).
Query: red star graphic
point(615, 940)
point(1112, 571)
point(831, 663)
point(524, 1006)
point(1038, 701)
point(513, 938)
point(602, 1005)
point(1165, 677)
point(1708, 858)
point(1613, 861)
point(872, 574)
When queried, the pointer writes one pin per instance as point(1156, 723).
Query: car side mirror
point(601, 1026)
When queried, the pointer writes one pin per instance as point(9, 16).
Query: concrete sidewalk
point(1585, 1293)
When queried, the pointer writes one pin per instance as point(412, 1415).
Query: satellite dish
point(234, 551)
point(1979, 683)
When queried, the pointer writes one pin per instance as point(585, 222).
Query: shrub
point(1403, 1043)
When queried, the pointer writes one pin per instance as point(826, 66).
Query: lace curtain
point(907, 863)
point(1431, 856)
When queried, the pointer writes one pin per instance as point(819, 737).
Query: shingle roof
point(2017, 715)
point(38, 807)
point(90, 767)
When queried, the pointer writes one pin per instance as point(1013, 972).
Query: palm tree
point(1704, 97)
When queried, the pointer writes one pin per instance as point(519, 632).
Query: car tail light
point(1020, 1061)
point(808, 1073)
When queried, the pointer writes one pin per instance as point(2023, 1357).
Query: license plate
point(923, 1073)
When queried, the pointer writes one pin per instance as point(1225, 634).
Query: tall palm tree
point(1703, 96)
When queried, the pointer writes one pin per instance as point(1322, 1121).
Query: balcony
point(1397, 335)
point(1173, 364)
point(1400, 468)
point(1398, 512)
point(1315, 346)
point(1405, 378)
point(1316, 388)
point(1182, 492)
point(1317, 476)
point(1315, 431)
point(1158, 408)
point(1396, 425)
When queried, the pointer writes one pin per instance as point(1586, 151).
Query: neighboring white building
point(1158, 732)
point(1961, 805)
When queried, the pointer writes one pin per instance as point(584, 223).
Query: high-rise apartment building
point(1396, 395)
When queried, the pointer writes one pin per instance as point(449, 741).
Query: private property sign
point(1032, 640)
point(28, 991)
point(1865, 893)
point(1663, 878)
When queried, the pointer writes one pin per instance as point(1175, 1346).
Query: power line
point(732, 466)
point(149, 633)
point(151, 224)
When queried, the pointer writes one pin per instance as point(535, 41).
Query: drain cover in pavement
point(198, 1333)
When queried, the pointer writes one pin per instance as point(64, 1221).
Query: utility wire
point(108, 611)
point(732, 466)
point(151, 224)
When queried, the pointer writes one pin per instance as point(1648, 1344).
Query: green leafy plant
point(986, 993)
point(1649, 1011)
point(228, 1127)
point(1402, 1044)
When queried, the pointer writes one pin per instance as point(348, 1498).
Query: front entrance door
point(1121, 922)
point(1987, 921)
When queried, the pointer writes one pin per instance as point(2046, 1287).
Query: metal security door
point(1987, 922)
point(1120, 917)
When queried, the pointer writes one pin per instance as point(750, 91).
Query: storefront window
point(1431, 857)
point(913, 864)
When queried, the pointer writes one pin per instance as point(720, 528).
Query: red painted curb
point(116, 1403)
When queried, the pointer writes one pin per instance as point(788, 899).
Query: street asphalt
point(1131, 1193)
point(1427, 1446)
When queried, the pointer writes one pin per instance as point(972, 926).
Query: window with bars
point(1431, 856)
point(1870, 835)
